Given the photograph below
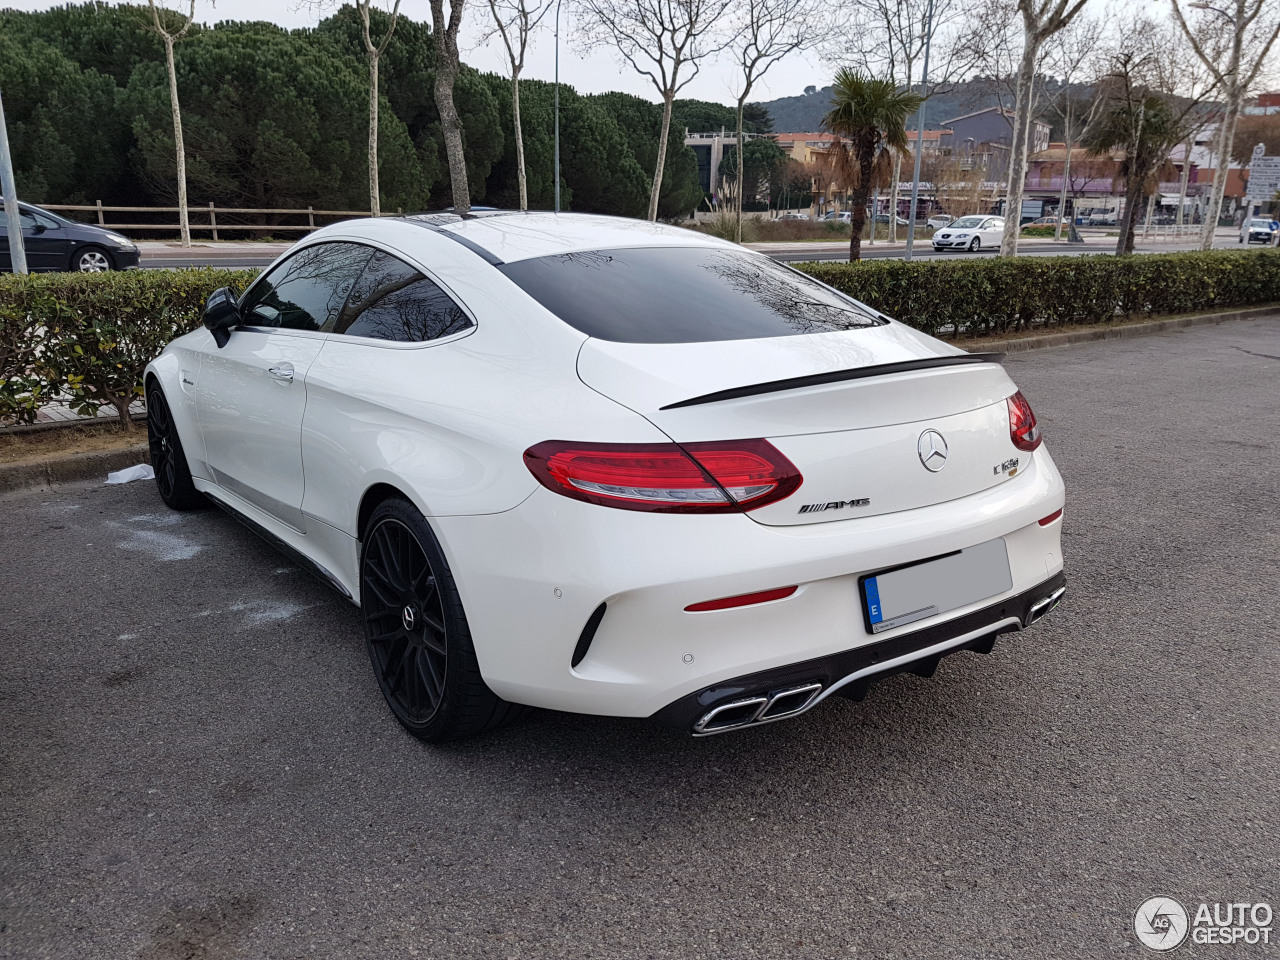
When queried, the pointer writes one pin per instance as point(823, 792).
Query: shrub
point(979, 297)
point(86, 338)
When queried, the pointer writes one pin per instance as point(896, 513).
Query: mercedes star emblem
point(932, 448)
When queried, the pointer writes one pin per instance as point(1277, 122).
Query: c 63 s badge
point(1009, 467)
point(834, 505)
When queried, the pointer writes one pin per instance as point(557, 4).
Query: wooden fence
point(199, 224)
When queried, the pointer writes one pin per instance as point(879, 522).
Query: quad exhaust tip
point(1042, 607)
point(753, 711)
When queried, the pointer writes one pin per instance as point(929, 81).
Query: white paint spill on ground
point(256, 613)
point(156, 543)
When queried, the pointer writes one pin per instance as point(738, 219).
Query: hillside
point(804, 113)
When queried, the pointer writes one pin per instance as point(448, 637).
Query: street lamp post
point(924, 91)
point(557, 106)
point(13, 218)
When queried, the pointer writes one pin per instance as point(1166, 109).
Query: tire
point(417, 634)
point(91, 260)
point(173, 475)
point(975, 245)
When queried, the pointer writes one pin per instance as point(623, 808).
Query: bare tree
point(1041, 19)
point(1069, 55)
point(768, 31)
point(664, 40)
point(515, 21)
point(164, 27)
point(445, 33)
point(374, 52)
point(1254, 26)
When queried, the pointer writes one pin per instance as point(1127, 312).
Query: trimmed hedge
point(969, 296)
point(85, 338)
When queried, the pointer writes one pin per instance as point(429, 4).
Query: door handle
point(282, 372)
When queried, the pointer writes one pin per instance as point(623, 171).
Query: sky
point(597, 73)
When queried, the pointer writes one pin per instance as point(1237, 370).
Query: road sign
point(1264, 178)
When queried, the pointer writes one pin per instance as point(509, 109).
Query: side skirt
point(305, 562)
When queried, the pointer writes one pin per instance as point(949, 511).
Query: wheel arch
point(376, 495)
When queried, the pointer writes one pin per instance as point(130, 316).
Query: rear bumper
point(750, 700)
point(533, 578)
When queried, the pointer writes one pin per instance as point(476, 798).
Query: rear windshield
point(684, 295)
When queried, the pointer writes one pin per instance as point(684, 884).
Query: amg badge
point(834, 505)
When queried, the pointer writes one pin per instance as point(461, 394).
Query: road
point(196, 761)
point(158, 255)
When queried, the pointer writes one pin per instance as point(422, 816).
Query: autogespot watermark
point(1163, 923)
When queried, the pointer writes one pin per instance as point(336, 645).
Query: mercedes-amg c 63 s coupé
point(610, 467)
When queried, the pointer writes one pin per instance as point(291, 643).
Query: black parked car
point(53, 243)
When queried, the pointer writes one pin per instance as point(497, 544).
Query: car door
point(39, 249)
point(45, 241)
point(992, 232)
point(251, 394)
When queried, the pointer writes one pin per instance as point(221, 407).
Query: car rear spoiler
point(836, 376)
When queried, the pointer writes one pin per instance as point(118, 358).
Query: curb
point(95, 464)
point(1048, 340)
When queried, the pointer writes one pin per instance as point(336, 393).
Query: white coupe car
point(970, 233)
point(610, 467)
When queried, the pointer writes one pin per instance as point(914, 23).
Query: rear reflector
point(1022, 423)
point(1050, 518)
point(666, 477)
point(742, 600)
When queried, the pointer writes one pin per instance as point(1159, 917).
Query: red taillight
point(1022, 423)
point(742, 600)
point(666, 477)
point(1045, 521)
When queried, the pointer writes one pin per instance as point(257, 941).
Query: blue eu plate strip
point(873, 599)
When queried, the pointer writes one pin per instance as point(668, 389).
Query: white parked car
point(970, 233)
point(610, 467)
point(939, 221)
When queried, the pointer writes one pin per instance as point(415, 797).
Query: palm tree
point(1143, 124)
point(869, 119)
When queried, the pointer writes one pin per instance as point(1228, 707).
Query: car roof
point(506, 236)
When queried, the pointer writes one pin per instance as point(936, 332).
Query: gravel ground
point(196, 762)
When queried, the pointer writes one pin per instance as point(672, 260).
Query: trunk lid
point(859, 443)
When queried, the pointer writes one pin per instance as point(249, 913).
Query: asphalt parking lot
point(196, 761)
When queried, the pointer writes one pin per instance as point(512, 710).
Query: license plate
point(902, 595)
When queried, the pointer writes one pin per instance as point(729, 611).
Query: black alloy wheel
point(417, 633)
point(405, 622)
point(173, 476)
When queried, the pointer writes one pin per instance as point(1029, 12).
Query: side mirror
point(39, 228)
point(221, 315)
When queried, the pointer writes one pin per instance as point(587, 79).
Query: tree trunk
point(451, 128)
point(1018, 149)
point(1062, 194)
point(662, 155)
point(742, 149)
point(893, 199)
point(375, 205)
point(515, 117)
point(184, 220)
point(1182, 187)
point(1151, 206)
point(858, 199)
point(1132, 204)
point(1226, 134)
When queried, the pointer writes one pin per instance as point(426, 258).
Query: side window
point(307, 291)
point(394, 301)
